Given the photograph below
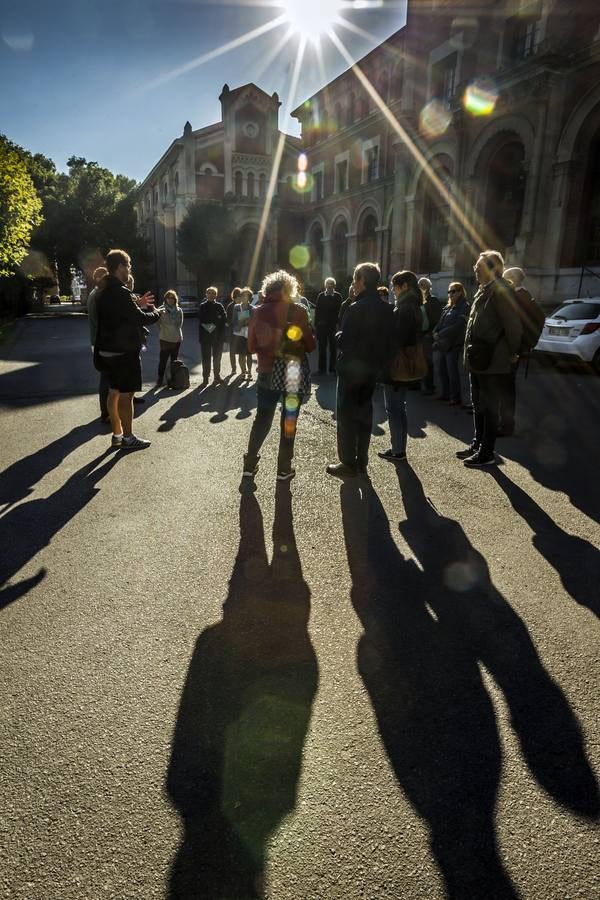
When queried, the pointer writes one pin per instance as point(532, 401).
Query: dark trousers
point(354, 413)
point(486, 391)
point(326, 339)
point(266, 404)
point(211, 348)
point(103, 389)
point(168, 350)
point(450, 374)
point(508, 400)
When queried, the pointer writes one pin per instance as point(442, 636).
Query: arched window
point(250, 182)
point(238, 184)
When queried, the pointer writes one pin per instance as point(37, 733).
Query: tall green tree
point(20, 207)
point(206, 242)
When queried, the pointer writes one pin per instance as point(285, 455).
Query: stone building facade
point(231, 163)
point(489, 136)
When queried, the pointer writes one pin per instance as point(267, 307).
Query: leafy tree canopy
point(20, 207)
point(206, 241)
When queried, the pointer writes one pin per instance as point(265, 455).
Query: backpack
point(532, 319)
point(180, 376)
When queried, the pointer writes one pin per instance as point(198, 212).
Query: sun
point(312, 18)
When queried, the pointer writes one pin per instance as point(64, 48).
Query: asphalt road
point(383, 689)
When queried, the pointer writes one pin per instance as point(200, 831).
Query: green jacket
point(493, 320)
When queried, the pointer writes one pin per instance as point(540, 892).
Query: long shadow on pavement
point(29, 527)
point(557, 431)
point(18, 480)
point(243, 718)
point(576, 560)
point(426, 632)
point(219, 400)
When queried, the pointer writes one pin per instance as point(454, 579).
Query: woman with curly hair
point(279, 333)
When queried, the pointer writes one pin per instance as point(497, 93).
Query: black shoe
point(341, 470)
point(389, 455)
point(477, 461)
point(139, 399)
point(467, 452)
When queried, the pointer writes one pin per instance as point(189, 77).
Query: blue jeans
point(450, 374)
point(266, 404)
point(395, 407)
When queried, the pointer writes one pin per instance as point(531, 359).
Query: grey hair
point(516, 275)
point(276, 281)
point(330, 280)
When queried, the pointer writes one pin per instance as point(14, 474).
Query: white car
point(573, 330)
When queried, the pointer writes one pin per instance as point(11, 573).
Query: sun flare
point(312, 18)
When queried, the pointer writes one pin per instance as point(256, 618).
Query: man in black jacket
point(366, 345)
point(212, 319)
point(327, 311)
point(118, 344)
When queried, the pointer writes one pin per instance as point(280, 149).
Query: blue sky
point(77, 75)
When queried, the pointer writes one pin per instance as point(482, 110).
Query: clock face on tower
point(250, 129)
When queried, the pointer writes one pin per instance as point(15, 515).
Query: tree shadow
point(575, 560)
point(219, 400)
point(18, 480)
point(428, 626)
point(243, 717)
point(29, 527)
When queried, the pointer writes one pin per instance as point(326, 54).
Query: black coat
point(327, 311)
point(120, 320)
point(366, 339)
point(408, 326)
point(211, 312)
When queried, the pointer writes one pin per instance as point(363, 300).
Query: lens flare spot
point(302, 182)
point(434, 119)
point(461, 576)
point(480, 97)
point(302, 162)
point(291, 403)
point(299, 259)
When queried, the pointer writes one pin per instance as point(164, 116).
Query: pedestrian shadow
point(429, 625)
point(243, 718)
point(575, 560)
point(19, 479)
point(29, 527)
point(219, 400)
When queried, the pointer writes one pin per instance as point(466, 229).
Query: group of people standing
point(366, 340)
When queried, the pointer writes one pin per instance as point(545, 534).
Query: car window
point(571, 311)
